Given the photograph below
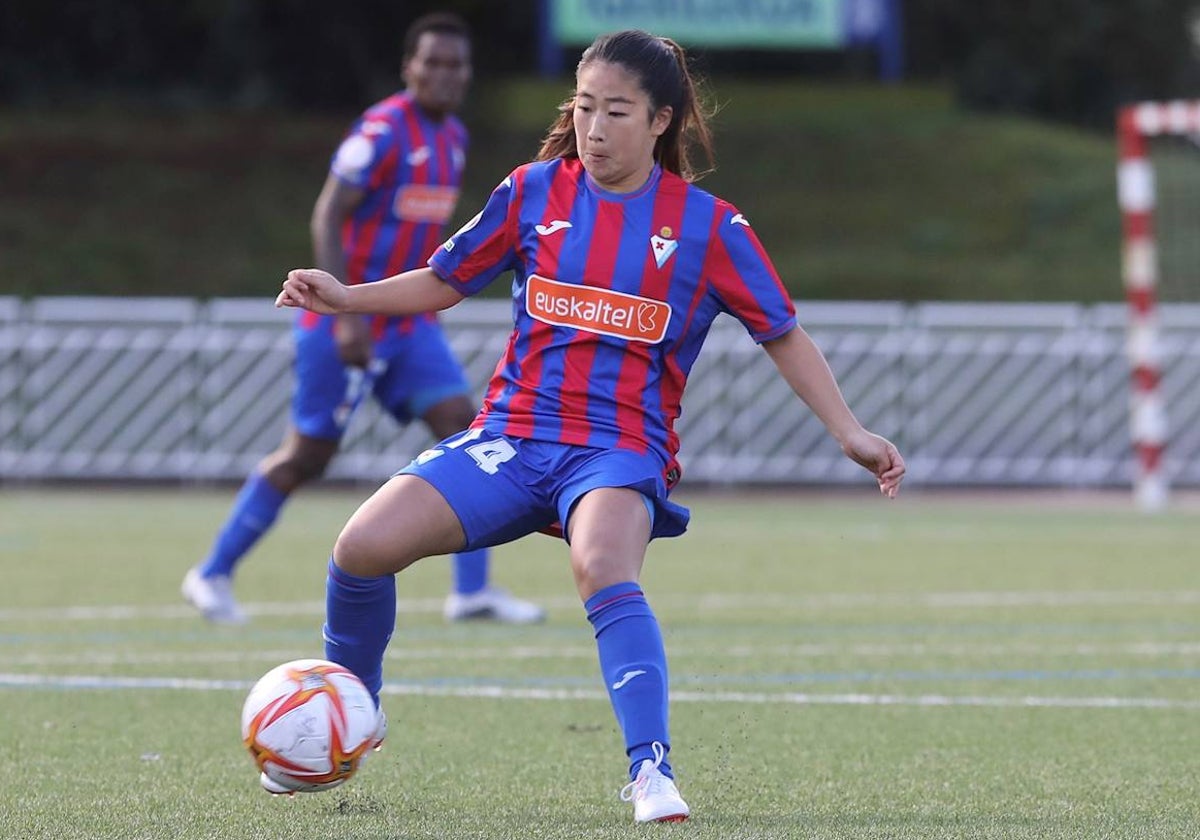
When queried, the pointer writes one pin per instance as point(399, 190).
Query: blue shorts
point(502, 488)
point(409, 374)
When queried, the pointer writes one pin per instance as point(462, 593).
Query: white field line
point(704, 603)
point(734, 697)
point(464, 653)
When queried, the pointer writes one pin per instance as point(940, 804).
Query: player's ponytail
point(662, 71)
point(689, 124)
point(559, 141)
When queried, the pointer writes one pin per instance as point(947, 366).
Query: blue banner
point(754, 24)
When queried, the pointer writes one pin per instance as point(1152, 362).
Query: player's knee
point(360, 551)
point(297, 468)
point(354, 552)
point(311, 467)
point(594, 571)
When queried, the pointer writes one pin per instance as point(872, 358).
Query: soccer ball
point(308, 724)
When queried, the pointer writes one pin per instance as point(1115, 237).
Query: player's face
point(439, 71)
point(615, 129)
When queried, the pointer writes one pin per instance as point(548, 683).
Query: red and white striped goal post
point(1136, 124)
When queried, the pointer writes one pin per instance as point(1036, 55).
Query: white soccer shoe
point(277, 787)
point(654, 796)
point(492, 604)
point(380, 730)
point(213, 596)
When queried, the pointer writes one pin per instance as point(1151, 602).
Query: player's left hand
point(880, 456)
point(312, 289)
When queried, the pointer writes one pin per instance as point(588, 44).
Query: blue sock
point(470, 571)
point(254, 512)
point(633, 663)
point(360, 614)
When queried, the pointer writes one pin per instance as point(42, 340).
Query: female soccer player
point(620, 265)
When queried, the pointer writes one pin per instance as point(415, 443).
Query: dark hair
point(442, 23)
point(662, 72)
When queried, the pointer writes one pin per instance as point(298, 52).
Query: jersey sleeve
point(362, 152)
point(744, 279)
point(483, 248)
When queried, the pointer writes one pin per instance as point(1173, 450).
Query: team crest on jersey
point(663, 245)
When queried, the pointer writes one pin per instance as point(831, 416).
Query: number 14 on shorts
point(488, 454)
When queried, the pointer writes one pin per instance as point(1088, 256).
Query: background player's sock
point(633, 663)
point(470, 571)
point(254, 512)
point(360, 614)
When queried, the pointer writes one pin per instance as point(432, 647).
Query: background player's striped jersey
point(411, 168)
point(613, 296)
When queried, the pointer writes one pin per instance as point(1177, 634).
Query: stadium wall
point(174, 389)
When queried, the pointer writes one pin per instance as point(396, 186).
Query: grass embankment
point(859, 192)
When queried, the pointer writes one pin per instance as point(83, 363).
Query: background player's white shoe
point(654, 796)
point(213, 596)
point(492, 604)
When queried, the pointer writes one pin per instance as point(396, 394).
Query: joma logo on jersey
point(595, 310)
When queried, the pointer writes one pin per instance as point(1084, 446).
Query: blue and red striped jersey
point(613, 297)
point(411, 167)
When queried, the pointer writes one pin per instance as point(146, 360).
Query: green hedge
point(858, 192)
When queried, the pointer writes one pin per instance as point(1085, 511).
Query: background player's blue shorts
point(503, 488)
point(412, 373)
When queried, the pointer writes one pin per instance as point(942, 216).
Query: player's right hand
point(880, 456)
point(312, 289)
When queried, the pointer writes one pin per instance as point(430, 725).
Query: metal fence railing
point(974, 394)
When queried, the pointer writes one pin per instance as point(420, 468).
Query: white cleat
point(213, 596)
point(273, 787)
point(492, 604)
point(654, 796)
point(380, 729)
point(276, 787)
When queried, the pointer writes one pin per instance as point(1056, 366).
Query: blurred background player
point(392, 186)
